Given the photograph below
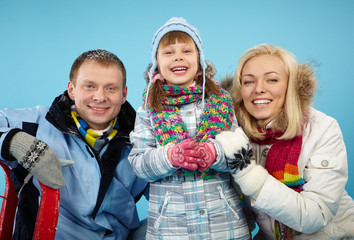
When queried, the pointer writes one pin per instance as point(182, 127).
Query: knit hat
point(176, 24)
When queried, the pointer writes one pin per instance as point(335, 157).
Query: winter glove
point(182, 155)
point(249, 176)
point(36, 156)
point(204, 154)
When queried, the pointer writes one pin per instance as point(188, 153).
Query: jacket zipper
point(226, 201)
point(163, 209)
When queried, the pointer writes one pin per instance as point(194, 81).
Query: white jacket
point(323, 210)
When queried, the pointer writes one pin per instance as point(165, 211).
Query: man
point(90, 125)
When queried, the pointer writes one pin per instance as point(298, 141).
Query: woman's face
point(264, 82)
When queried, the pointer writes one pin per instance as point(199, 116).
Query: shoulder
point(25, 114)
point(322, 135)
point(319, 121)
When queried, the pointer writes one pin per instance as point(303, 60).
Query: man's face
point(98, 93)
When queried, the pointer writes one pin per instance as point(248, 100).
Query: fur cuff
point(251, 179)
point(232, 142)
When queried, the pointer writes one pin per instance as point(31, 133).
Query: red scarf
point(282, 163)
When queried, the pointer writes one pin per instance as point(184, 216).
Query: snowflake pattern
point(36, 151)
point(242, 159)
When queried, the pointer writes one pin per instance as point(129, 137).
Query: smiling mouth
point(179, 69)
point(98, 109)
point(263, 101)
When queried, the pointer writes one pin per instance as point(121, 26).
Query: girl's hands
point(192, 155)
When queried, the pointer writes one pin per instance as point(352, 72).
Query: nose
point(260, 87)
point(178, 57)
point(100, 95)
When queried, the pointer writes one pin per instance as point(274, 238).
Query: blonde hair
point(290, 118)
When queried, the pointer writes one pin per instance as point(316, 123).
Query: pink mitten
point(182, 155)
point(206, 153)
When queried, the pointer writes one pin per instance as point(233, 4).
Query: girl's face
point(178, 63)
point(264, 83)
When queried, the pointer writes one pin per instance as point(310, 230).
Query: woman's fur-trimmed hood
point(306, 84)
point(209, 71)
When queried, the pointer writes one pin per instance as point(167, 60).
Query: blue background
point(40, 39)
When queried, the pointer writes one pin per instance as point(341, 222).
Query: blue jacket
point(98, 200)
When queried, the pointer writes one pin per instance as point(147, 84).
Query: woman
point(294, 178)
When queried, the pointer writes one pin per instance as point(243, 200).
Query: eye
point(187, 51)
point(246, 82)
point(111, 89)
point(272, 80)
point(89, 86)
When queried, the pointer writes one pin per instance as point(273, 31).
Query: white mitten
point(236, 148)
point(38, 158)
point(249, 176)
point(232, 141)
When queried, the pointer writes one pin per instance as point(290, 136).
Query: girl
point(298, 173)
point(174, 147)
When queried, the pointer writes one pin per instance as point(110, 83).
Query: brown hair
point(100, 56)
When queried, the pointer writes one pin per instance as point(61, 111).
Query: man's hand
point(38, 158)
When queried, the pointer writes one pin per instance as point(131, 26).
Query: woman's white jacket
point(323, 210)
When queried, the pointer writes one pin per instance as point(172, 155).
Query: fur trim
point(306, 86)
point(209, 71)
point(226, 83)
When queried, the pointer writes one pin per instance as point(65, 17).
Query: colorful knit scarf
point(282, 163)
point(96, 139)
point(169, 126)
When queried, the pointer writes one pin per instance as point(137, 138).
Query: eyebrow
point(267, 73)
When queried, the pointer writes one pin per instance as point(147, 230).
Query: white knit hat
point(176, 24)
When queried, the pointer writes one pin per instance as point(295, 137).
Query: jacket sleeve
point(148, 159)
point(324, 160)
point(220, 164)
point(26, 119)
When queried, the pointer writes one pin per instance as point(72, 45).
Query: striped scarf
point(169, 126)
point(281, 163)
point(96, 139)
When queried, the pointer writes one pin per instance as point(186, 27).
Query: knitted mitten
point(182, 155)
point(206, 155)
point(38, 158)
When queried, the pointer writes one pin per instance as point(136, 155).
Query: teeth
point(179, 69)
point(261, 101)
point(98, 109)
